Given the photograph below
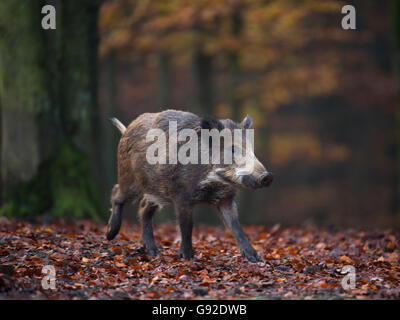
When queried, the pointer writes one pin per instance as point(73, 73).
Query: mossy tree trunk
point(23, 92)
point(77, 53)
point(48, 92)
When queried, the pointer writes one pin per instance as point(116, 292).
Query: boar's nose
point(266, 179)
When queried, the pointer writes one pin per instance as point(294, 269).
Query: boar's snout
point(266, 179)
point(254, 182)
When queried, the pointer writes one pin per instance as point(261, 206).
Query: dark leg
point(146, 212)
point(117, 203)
point(185, 218)
point(230, 217)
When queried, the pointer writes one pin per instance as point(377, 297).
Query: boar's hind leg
point(117, 203)
point(185, 218)
point(146, 212)
point(230, 217)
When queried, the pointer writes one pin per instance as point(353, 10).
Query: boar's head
point(237, 162)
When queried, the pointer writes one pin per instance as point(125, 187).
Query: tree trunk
point(23, 93)
point(110, 136)
point(395, 11)
point(48, 91)
point(163, 81)
point(78, 43)
point(202, 82)
point(233, 71)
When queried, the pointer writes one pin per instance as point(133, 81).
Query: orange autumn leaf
point(345, 259)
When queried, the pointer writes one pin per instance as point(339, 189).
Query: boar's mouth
point(250, 182)
point(247, 181)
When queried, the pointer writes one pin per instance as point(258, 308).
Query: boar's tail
point(118, 124)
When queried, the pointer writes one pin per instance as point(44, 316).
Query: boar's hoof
point(186, 254)
point(251, 255)
point(152, 251)
point(114, 224)
point(111, 233)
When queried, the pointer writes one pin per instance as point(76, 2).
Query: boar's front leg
point(185, 218)
point(228, 210)
point(114, 222)
point(146, 212)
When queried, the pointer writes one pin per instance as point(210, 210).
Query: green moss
point(73, 191)
point(63, 186)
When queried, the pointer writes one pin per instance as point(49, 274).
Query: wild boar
point(178, 184)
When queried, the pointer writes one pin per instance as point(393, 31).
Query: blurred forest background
point(324, 100)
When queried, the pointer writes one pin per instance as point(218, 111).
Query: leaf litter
point(298, 263)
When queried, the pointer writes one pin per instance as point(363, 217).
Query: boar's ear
point(211, 123)
point(247, 122)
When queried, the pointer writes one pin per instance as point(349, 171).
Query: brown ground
point(300, 263)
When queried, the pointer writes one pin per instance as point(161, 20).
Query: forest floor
point(298, 263)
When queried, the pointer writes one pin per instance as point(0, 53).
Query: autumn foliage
point(323, 99)
point(299, 263)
